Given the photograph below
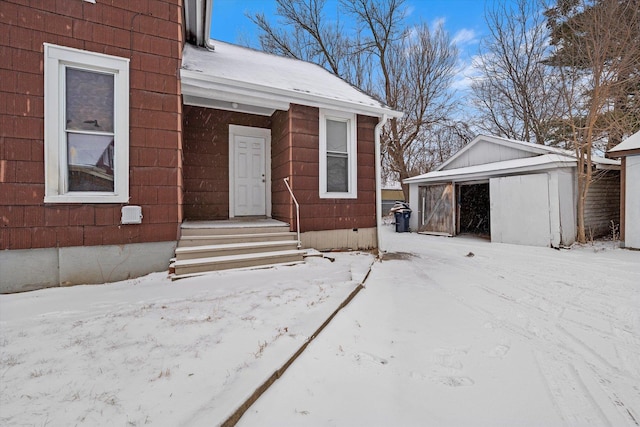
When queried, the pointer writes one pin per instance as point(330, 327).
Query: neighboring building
point(118, 124)
point(514, 192)
point(390, 195)
point(629, 151)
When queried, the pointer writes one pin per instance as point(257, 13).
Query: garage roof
point(529, 147)
point(489, 170)
point(631, 143)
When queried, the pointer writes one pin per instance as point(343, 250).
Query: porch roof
point(496, 169)
point(241, 79)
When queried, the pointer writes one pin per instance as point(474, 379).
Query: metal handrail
point(286, 182)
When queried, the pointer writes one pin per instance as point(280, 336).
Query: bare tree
point(515, 94)
point(410, 69)
point(597, 54)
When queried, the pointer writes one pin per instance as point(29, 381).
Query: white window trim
point(55, 59)
point(352, 150)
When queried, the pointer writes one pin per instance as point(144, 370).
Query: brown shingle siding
point(327, 214)
point(28, 194)
point(9, 12)
point(206, 159)
point(82, 215)
point(155, 118)
point(16, 149)
point(29, 172)
point(68, 236)
point(19, 238)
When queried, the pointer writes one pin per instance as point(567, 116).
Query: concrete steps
point(222, 239)
point(223, 245)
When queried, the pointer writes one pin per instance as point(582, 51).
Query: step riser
point(208, 253)
point(233, 230)
point(227, 239)
point(203, 268)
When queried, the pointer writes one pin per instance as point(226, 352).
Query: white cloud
point(409, 10)
point(466, 73)
point(465, 37)
point(437, 22)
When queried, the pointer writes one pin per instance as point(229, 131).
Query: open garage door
point(436, 209)
point(520, 211)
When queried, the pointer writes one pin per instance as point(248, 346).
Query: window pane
point(337, 173)
point(90, 162)
point(336, 136)
point(89, 100)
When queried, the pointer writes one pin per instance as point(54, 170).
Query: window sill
point(338, 196)
point(87, 198)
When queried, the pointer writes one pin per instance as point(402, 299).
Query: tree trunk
point(582, 197)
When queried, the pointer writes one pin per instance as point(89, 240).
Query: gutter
point(197, 83)
point(378, 159)
point(208, 11)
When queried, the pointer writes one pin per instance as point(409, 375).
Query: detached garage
point(513, 192)
point(629, 151)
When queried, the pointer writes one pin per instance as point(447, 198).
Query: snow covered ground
point(155, 352)
point(448, 332)
point(462, 332)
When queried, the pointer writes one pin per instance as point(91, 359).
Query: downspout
point(378, 158)
point(208, 11)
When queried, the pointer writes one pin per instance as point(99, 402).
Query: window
point(338, 162)
point(86, 127)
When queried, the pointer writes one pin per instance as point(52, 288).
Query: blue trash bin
point(402, 220)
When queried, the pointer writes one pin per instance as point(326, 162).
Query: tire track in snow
point(538, 304)
point(570, 395)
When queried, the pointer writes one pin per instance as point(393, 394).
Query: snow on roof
point(631, 143)
point(529, 147)
point(528, 164)
point(275, 81)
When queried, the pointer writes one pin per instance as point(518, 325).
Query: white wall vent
point(131, 215)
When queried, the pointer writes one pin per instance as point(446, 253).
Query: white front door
point(248, 171)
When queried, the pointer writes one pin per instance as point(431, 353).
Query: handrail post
point(286, 182)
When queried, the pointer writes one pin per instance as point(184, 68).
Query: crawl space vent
point(131, 215)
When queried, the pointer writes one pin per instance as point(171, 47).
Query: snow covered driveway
point(462, 332)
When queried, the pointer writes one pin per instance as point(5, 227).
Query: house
point(515, 192)
point(125, 130)
point(629, 152)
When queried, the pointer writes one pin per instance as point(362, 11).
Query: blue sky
point(463, 19)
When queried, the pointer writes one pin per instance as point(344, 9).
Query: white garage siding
point(520, 210)
point(632, 202)
point(486, 152)
point(535, 209)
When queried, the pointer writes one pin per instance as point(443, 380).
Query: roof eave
point(624, 153)
point(195, 83)
point(488, 174)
